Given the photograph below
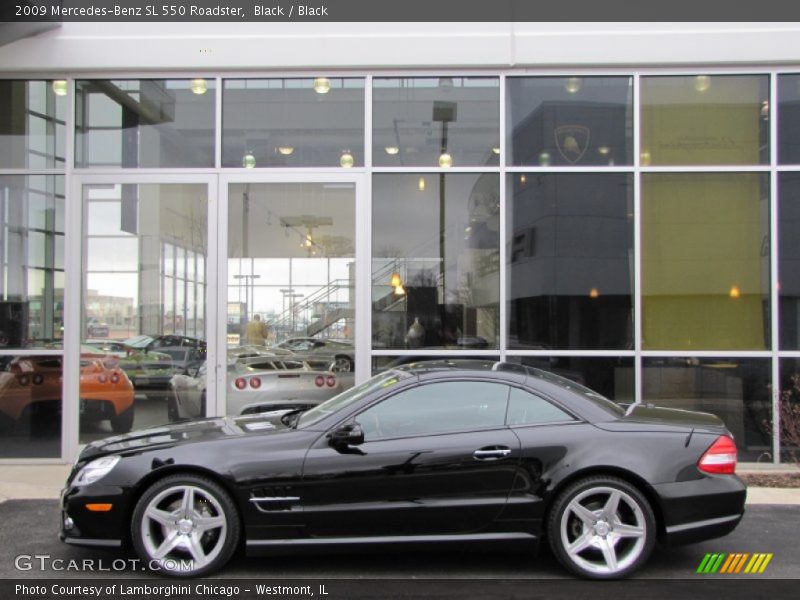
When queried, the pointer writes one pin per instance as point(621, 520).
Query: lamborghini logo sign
point(572, 141)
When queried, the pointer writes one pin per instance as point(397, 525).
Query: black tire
point(342, 364)
point(595, 540)
point(123, 422)
point(167, 499)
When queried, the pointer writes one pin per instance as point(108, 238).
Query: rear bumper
point(701, 509)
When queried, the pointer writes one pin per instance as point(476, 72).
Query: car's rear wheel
point(185, 525)
point(342, 364)
point(123, 422)
point(601, 528)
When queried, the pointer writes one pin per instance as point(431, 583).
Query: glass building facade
point(180, 247)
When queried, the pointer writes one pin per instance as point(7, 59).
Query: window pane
point(789, 119)
point(705, 120)
point(789, 259)
point(736, 390)
point(31, 260)
point(571, 261)
point(789, 403)
point(417, 120)
point(130, 297)
point(437, 408)
point(570, 121)
point(705, 261)
point(30, 406)
point(293, 122)
point(383, 363)
point(525, 408)
point(608, 375)
point(32, 115)
point(435, 261)
point(145, 123)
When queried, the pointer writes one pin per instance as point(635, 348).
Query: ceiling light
point(395, 280)
point(285, 150)
point(544, 159)
point(593, 293)
point(496, 150)
point(322, 85)
point(522, 179)
point(399, 291)
point(445, 160)
point(392, 150)
point(645, 158)
point(199, 86)
point(702, 83)
point(735, 291)
point(249, 160)
point(421, 184)
point(573, 85)
point(346, 160)
point(604, 150)
point(60, 87)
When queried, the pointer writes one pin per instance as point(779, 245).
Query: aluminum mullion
point(503, 223)
point(364, 248)
point(774, 274)
point(218, 123)
point(637, 243)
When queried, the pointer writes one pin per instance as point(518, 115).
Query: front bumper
point(83, 527)
point(701, 509)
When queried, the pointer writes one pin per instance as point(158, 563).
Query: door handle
point(491, 453)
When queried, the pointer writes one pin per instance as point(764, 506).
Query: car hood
point(200, 430)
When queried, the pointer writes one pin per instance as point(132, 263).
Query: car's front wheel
point(185, 525)
point(601, 528)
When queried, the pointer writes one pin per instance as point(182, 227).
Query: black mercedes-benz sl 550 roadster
point(442, 451)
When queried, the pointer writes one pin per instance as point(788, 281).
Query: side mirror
point(347, 435)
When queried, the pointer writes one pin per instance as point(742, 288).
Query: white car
point(256, 384)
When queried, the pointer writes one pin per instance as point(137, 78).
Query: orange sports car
point(31, 385)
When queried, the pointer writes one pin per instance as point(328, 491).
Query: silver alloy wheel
point(183, 528)
point(342, 364)
point(603, 530)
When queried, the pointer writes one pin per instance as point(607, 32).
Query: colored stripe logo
point(737, 562)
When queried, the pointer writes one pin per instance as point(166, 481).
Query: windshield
point(382, 380)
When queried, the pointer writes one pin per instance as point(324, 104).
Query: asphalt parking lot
point(28, 528)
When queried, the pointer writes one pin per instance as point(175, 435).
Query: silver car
point(256, 384)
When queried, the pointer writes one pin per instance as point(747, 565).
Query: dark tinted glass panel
point(144, 123)
point(705, 261)
point(32, 128)
point(293, 122)
point(737, 390)
point(571, 255)
point(705, 120)
point(610, 376)
point(435, 266)
point(789, 404)
point(789, 259)
point(30, 406)
point(525, 408)
point(31, 261)
point(437, 408)
point(789, 119)
point(436, 121)
point(570, 121)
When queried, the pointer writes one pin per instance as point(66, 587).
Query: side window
point(525, 408)
point(437, 408)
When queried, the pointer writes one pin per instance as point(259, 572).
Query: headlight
point(97, 469)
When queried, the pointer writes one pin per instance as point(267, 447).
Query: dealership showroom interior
point(202, 219)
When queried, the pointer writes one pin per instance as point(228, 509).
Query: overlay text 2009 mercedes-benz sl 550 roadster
point(443, 451)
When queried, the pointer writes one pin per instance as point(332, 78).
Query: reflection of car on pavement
point(256, 384)
point(338, 354)
point(97, 329)
point(31, 388)
point(456, 451)
point(107, 347)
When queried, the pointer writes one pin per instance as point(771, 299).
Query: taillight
point(331, 381)
point(114, 378)
point(255, 382)
point(720, 458)
point(38, 379)
point(102, 378)
point(319, 380)
point(240, 383)
point(24, 380)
